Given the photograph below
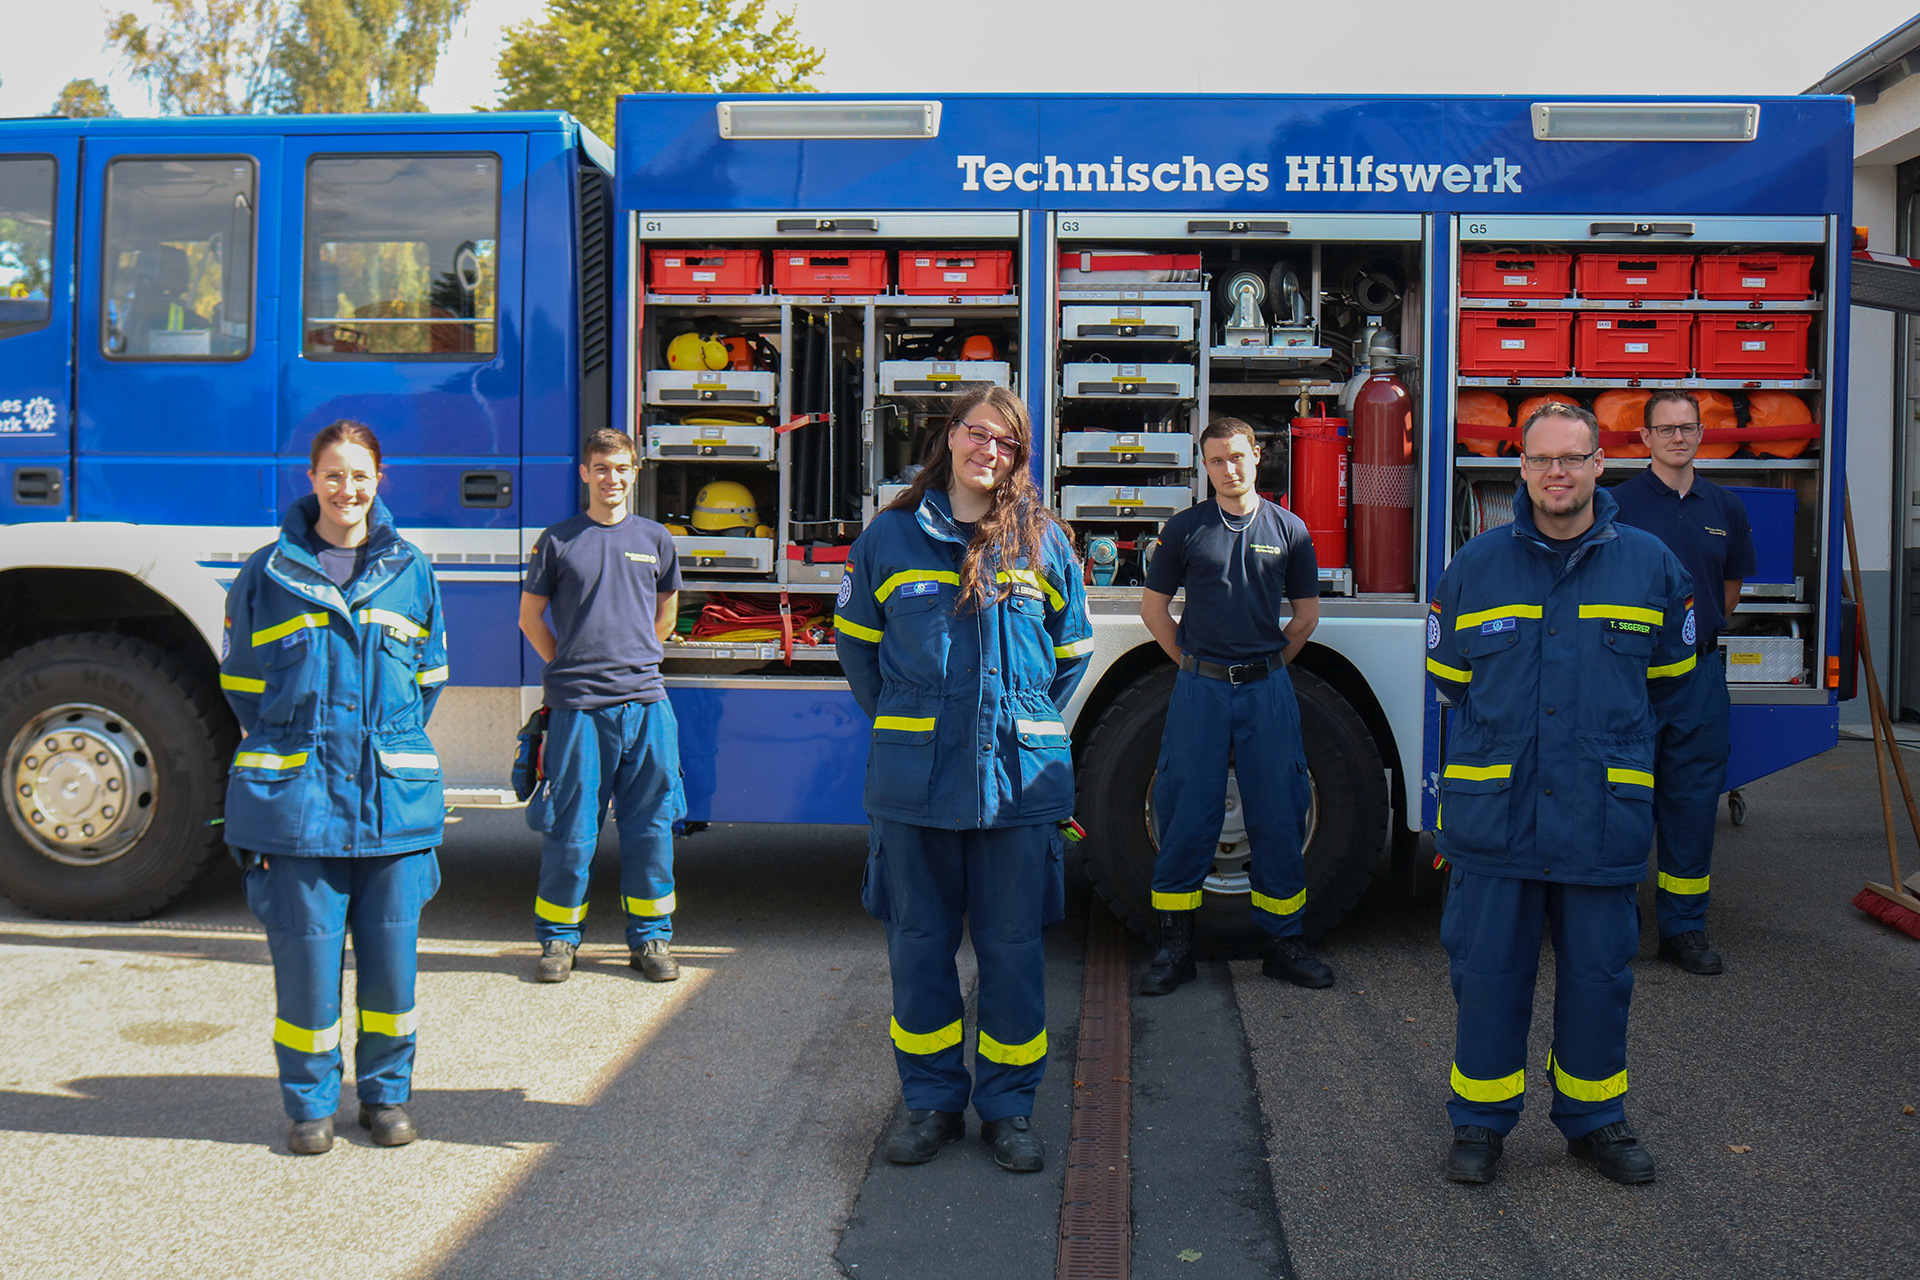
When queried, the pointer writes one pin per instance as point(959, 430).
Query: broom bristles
point(1883, 908)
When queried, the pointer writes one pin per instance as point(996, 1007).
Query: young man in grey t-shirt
point(611, 581)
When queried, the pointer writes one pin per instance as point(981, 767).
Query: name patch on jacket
point(920, 589)
point(1024, 591)
point(1261, 546)
point(642, 557)
point(1499, 624)
point(1637, 628)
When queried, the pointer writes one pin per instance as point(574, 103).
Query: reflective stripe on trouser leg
point(303, 904)
point(1190, 789)
point(1006, 869)
point(1271, 768)
point(926, 894)
point(1690, 774)
point(384, 918)
point(1491, 928)
point(646, 800)
point(1596, 931)
point(582, 751)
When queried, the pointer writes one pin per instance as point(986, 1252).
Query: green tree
point(363, 55)
point(83, 100)
point(582, 54)
point(205, 57)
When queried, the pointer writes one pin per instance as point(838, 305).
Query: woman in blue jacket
point(335, 650)
point(962, 627)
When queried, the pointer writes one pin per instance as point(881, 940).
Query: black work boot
point(311, 1137)
point(922, 1134)
point(1016, 1147)
point(1615, 1152)
point(388, 1123)
point(1691, 952)
point(1476, 1150)
point(1173, 963)
point(654, 958)
point(556, 961)
point(1289, 960)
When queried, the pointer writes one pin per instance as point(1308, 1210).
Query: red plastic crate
point(1610, 344)
point(1534, 343)
point(707, 272)
point(1623, 275)
point(951, 272)
point(1751, 346)
point(1726, 277)
point(1126, 266)
point(828, 273)
point(1508, 273)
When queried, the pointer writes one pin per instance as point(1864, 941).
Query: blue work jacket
point(965, 703)
point(333, 693)
point(1560, 672)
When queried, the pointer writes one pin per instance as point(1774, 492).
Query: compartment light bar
point(1646, 121)
point(801, 119)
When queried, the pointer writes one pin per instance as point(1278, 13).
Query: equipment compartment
point(1125, 449)
point(1622, 344)
point(706, 272)
point(702, 554)
point(710, 386)
point(1727, 277)
point(830, 273)
point(1125, 322)
point(941, 377)
point(1123, 502)
point(1511, 273)
point(1538, 343)
point(1139, 381)
point(1615, 275)
point(956, 272)
point(1750, 346)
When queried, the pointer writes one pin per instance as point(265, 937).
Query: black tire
point(1347, 846)
point(157, 731)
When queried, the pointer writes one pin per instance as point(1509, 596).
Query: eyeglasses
point(1687, 430)
point(1569, 461)
point(982, 437)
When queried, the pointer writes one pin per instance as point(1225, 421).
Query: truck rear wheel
point(1347, 823)
point(115, 759)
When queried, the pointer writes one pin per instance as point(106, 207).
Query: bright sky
point(1395, 46)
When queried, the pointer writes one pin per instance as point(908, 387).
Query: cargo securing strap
point(1619, 439)
point(752, 620)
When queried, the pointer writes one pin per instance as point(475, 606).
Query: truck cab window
point(178, 274)
point(401, 257)
point(26, 243)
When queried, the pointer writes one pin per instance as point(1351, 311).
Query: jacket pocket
point(398, 659)
point(900, 761)
point(1053, 888)
point(914, 648)
point(873, 884)
point(1046, 765)
point(269, 794)
point(411, 800)
point(1476, 805)
point(293, 668)
point(1627, 813)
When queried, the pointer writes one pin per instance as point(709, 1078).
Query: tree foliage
point(580, 55)
point(363, 55)
point(205, 57)
point(83, 100)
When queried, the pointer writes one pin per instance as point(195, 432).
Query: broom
point(1891, 905)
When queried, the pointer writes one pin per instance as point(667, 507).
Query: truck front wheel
point(115, 760)
point(1347, 821)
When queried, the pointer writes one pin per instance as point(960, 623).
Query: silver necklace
point(1237, 528)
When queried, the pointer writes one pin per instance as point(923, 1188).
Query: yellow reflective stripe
point(933, 1042)
point(1679, 668)
point(432, 675)
point(1466, 620)
point(409, 759)
point(287, 628)
point(915, 575)
point(1176, 901)
point(558, 914)
point(267, 760)
point(1624, 612)
point(1041, 728)
point(1678, 884)
point(854, 629)
point(1587, 1090)
point(301, 1040)
point(240, 684)
point(903, 722)
point(1073, 649)
point(1012, 1055)
point(1478, 772)
point(650, 906)
point(390, 1024)
point(1489, 1090)
point(1034, 580)
point(1637, 777)
point(1446, 672)
point(1280, 906)
point(398, 621)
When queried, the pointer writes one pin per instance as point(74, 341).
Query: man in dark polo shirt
point(1706, 529)
point(612, 582)
point(1252, 599)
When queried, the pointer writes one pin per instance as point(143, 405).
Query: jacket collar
point(294, 566)
point(1605, 509)
point(935, 515)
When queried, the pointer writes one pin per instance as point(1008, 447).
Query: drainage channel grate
point(1096, 1216)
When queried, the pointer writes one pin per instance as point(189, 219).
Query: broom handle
point(1875, 707)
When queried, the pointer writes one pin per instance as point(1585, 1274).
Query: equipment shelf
point(738, 586)
point(1636, 304)
point(744, 650)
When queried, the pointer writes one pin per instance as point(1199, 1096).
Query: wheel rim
point(1233, 855)
point(80, 784)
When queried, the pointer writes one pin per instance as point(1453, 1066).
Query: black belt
point(1245, 673)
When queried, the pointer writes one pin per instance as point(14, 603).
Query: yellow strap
point(1678, 884)
point(390, 1024)
point(267, 760)
point(1034, 580)
point(398, 621)
point(301, 1040)
point(1635, 777)
point(650, 906)
point(240, 684)
point(298, 623)
point(432, 675)
point(915, 575)
point(903, 722)
point(1446, 672)
point(1498, 1090)
point(1073, 649)
point(1466, 620)
point(1479, 772)
point(1587, 1090)
point(854, 629)
point(1012, 1055)
point(558, 914)
point(1176, 901)
point(1623, 612)
point(1280, 906)
point(931, 1043)
point(1679, 668)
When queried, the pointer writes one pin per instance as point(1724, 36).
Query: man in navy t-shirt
point(1706, 529)
point(611, 581)
point(1252, 599)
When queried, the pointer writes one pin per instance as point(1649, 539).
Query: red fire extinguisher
point(1317, 485)
point(1383, 485)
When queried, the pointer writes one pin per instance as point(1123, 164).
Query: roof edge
point(1870, 61)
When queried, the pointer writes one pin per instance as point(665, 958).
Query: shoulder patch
point(1433, 630)
point(1688, 632)
point(846, 591)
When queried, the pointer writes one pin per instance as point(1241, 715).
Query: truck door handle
point(37, 487)
point(809, 226)
point(486, 488)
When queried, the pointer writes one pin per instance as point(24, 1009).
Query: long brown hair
point(1017, 519)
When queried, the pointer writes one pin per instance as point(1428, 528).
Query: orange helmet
point(978, 346)
point(1531, 405)
point(1717, 414)
point(1623, 411)
point(1777, 409)
point(1477, 408)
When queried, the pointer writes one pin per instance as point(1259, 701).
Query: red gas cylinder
point(1317, 486)
point(1383, 485)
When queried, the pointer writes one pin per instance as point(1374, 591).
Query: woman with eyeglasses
point(962, 627)
point(335, 652)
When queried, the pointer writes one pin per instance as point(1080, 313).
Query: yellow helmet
point(698, 351)
point(723, 505)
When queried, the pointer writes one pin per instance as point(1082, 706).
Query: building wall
point(1871, 424)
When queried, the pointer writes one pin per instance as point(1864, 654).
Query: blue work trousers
point(309, 907)
point(628, 756)
point(1491, 929)
point(1689, 775)
point(1010, 884)
point(1255, 728)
